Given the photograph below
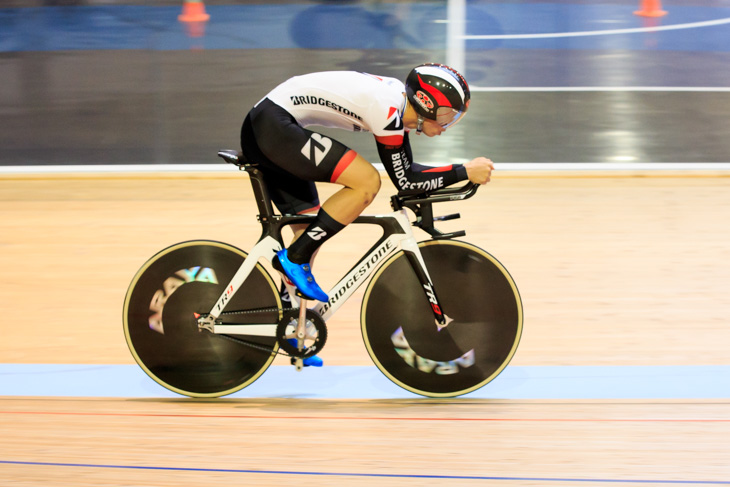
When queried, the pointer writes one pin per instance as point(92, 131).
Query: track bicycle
point(440, 318)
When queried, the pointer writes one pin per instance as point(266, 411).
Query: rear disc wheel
point(162, 331)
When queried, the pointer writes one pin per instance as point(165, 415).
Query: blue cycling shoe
point(300, 275)
point(312, 361)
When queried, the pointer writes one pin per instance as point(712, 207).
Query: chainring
point(315, 334)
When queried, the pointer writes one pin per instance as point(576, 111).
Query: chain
point(256, 346)
point(254, 311)
point(263, 348)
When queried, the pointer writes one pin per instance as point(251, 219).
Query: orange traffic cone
point(193, 11)
point(651, 8)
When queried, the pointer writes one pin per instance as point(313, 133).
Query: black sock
point(283, 293)
point(317, 233)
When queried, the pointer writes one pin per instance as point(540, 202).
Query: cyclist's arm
point(410, 177)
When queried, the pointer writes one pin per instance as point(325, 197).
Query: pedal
point(298, 364)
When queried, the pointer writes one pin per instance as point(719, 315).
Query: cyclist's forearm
point(410, 176)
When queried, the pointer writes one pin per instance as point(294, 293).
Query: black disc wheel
point(161, 328)
point(484, 312)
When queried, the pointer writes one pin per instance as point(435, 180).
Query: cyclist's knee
point(361, 177)
point(371, 186)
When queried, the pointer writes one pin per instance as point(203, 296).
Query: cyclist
point(292, 157)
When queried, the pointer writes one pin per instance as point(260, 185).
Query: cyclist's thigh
point(305, 154)
point(358, 173)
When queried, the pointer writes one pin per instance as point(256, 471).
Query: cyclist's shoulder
point(384, 91)
point(386, 106)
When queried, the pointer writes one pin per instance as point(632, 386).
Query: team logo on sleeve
point(394, 119)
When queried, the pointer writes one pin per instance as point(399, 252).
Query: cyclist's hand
point(479, 170)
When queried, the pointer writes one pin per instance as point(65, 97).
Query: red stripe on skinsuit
point(440, 169)
point(390, 140)
point(349, 156)
point(310, 210)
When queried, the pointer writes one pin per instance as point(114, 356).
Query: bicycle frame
point(397, 235)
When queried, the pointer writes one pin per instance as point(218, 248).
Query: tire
point(474, 290)
point(162, 332)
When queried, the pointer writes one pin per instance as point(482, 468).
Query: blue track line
point(367, 382)
point(370, 475)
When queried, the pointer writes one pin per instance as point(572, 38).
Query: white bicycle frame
point(398, 235)
point(266, 248)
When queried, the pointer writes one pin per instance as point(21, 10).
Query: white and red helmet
point(438, 92)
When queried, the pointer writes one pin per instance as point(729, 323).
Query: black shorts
point(291, 157)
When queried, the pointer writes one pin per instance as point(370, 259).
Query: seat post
point(263, 201)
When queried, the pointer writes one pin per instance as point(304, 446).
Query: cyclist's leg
point(361, 183)
point(311, 156)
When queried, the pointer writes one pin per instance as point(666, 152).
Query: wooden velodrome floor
point(614, 269)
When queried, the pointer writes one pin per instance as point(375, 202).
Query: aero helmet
point(437, 92)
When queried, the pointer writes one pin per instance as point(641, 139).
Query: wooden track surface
point(459, 438)
point(613, 270)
